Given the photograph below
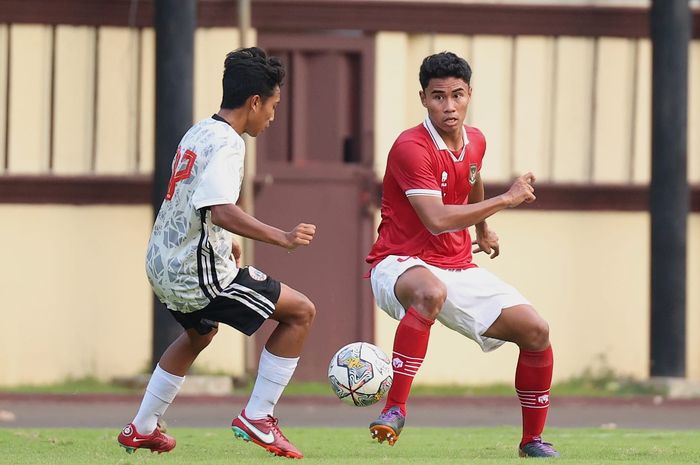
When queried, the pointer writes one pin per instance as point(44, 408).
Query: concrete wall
point(103, 100)
point(75, 296)
point(77, 300)
point(570, 109)
point(587, 273)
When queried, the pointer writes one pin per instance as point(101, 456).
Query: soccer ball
point(360, 374)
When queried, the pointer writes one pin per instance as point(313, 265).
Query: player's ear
point(421, 94)
point(255, 102)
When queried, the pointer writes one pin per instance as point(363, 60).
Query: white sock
point(274, 374)
point(160, 392)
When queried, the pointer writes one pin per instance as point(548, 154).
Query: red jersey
point(420, 163)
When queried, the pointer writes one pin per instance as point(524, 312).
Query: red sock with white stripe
point(533, 378)
point(410, 346)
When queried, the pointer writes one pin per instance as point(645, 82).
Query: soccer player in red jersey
point(422, 267)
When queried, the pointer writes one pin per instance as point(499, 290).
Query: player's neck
point(452, 139)
point(235, 118)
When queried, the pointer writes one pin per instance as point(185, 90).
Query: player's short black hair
point(247, 72)
point(442, 65)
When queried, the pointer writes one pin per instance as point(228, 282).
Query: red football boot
point(265, 433)
point(157, 441)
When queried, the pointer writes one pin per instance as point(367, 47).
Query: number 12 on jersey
point(179, 174)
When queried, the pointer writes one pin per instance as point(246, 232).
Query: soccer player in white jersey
point(192, 262)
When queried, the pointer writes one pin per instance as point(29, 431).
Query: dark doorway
point(314, 164)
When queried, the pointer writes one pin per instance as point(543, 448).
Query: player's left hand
point(486, 241)
point(236, 251)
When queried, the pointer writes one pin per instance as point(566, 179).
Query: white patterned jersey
point(188, 261)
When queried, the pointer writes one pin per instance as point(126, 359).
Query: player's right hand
point(521, 190)
point(302, 234)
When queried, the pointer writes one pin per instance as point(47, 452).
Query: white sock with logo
point(160, 393)
point(274, 374)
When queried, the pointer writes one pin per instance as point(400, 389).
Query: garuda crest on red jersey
point(472, 173)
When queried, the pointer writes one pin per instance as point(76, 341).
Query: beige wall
point(537, 99)
point(75, 293)
point(77, 302)
point(124, 127)
point(570, 109)
point(95, 304)
point(587, 273)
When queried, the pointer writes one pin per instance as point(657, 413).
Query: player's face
point(447, 100)
point(263, 113)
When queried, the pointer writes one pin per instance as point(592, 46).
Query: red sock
point(533, 378)
point(410, 346)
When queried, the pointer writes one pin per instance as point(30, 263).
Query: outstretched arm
point(439, 218)
point(232, 218)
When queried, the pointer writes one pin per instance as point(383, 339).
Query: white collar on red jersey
point(440, 144)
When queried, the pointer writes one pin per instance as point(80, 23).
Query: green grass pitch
point(420, 446)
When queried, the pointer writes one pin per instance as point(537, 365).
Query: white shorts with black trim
point(475, 297)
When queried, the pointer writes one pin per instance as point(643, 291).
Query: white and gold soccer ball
point(360, 374)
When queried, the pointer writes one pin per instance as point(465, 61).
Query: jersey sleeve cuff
point(211, 202)
point(428, 192)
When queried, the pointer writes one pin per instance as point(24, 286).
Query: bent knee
point(304, 311)
point(429, 300)
point(308, 311)
point(536, 335)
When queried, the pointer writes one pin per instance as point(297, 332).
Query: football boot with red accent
point(157, 441)
point(266, 434)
